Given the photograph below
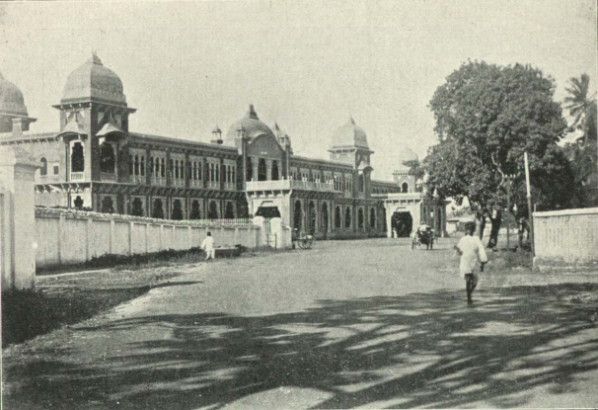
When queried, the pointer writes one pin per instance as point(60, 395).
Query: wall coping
point(42, 212)
point(566, 212)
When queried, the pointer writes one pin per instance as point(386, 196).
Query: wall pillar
point(17, 219)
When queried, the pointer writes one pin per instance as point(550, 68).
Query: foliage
point(486, 117)
point(415, 168)
point(582, 107)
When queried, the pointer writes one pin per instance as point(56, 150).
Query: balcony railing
point(287, 184)
point(77, 176)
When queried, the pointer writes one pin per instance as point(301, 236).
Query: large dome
point(251, 126)
point(93, 80)
point(11, 99)
point(350, 135)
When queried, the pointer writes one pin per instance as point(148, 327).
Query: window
point(44, 169)
point(360, 218)
point(229, 212)
point(337, 217)
point(150, 166)
point(177, 210)
point(77, 158)
point(195, 213)
point(405, 187)
point(137, 208)
point(372, 218)
point(107, 158)
point(297, 215)
point(142, 166)
point(361, 183)
point(213, 210)
point(157, 211)
point(249, 169)
point(78, 202)
point(136, 165)
point(348, 217)
point(275, 175)
point(56, 169)
point(262, 172)
point(162, 167)
point(107, 205)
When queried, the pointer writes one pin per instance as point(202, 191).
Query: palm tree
point(582, 107)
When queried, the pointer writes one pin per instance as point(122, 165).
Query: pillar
point(17, 219)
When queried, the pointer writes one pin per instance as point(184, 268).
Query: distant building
point(95, 162)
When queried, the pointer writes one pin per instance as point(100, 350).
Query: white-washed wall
point(64, 236)
point(569, 236)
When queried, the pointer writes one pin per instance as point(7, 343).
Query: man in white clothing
point(471, 250)
point(208, 246)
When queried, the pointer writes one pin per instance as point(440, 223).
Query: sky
point(307, 65)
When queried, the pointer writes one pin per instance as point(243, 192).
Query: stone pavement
point(365, 323)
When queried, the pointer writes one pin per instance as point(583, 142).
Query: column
point(254, 164)
point(269, 169)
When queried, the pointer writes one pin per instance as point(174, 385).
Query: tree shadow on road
point(418, 350)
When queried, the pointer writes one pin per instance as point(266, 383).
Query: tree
point(486, 117)
point(582, 107)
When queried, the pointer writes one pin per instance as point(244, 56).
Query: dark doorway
point(157, 211)
point(107, 158)
point(195, 213)
point(360, 218)
point(77, 158)
point(324, 219)
point(373, 218)
point(402, 223)
point(213, 210)
point(337, 217)
point(229, 212)
point(297, 216)
point(137, 208)
point(177, 210)
point(311, 217)
point(107, 205)
point(268, 212)
point(275, 173)
point(78, 203)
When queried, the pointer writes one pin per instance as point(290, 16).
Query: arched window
point(337, 217)
point(107, 158)
point(137, 208)
point(78, 202)
point(136, 166)
point(249, 169)
point(44, 169)
point(360, 218)
point(213, 210)
point(275, 173)
point(177, 211)
point(162, 167)
point(142, 166)
point(311, 217)
point(372, 218)
point(324, 219)
point(77, 158)
point(405, 187)
point(361, 182)
point(195, 213)
point(229, 212)
point(150, 166)
point(262, 170)
point(107, 205)
point(157, 210)
point(348, 217)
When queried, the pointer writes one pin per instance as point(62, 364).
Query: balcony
point(288, 184)
point(77, 176)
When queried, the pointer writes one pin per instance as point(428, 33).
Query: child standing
point(471, 250)
point(208, 246)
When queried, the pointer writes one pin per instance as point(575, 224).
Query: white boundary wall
point(566, 237)
point(66, 237)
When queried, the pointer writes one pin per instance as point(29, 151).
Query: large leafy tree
point(486, 117)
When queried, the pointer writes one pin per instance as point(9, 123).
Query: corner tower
point(93, 115)
point(13, 112)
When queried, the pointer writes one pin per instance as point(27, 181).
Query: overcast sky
point(187, 66)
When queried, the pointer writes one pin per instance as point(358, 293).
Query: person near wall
point(495, 219)
point(208, 246)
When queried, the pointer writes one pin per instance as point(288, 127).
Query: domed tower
point(405, 181)
point(94, 118)
point(13, 112)
point(350, 144)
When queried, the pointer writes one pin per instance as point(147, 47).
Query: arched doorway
point(348, 217)
point(402, 223)
point(78, 202)
point(195, 213)
point(405, 187)
point(157, 210)
point(337, 217)
point(229, 212)
point(107, 205)
point(213, 210)
point(311, 217)
point(324, 219)
point(137, 208)
point(297, 215)
point(373, 218)
point(360, 218)
point(177, 210)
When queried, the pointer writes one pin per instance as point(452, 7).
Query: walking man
point(208, 246)
point(471, 250)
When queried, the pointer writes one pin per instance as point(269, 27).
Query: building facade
point(95, 162)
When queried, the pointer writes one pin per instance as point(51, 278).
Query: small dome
point(251, 126)
point(350, 135)
point(11, 99)
point(93, 80)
